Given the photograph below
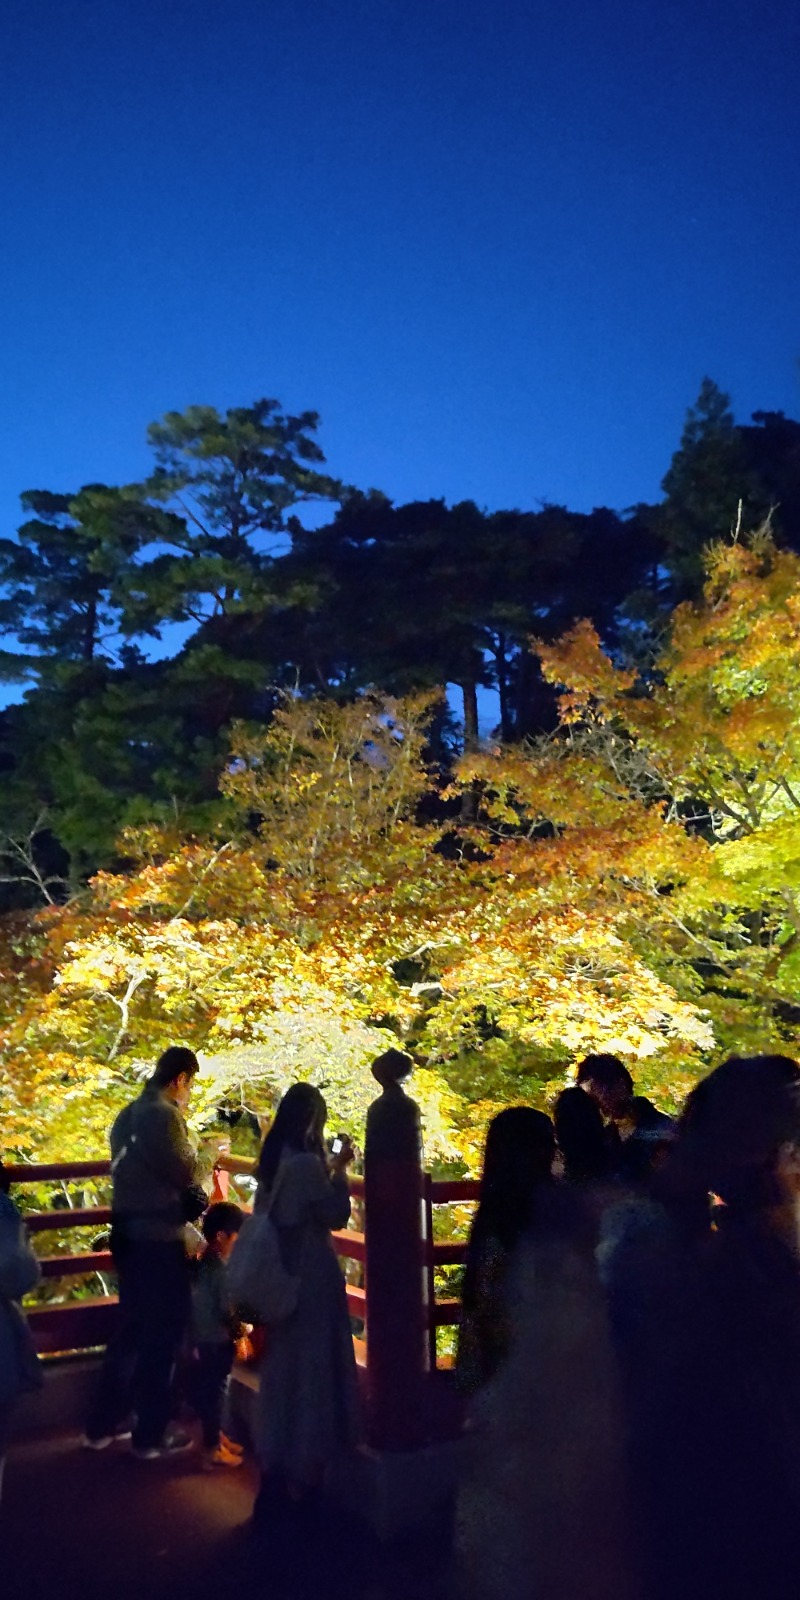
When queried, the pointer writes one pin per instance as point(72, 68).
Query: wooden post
point(220, 1186)
point(397, 1355)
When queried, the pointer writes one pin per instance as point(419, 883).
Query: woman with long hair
point(518, 1159)
point(308, 1400)
point(542, 1508)
point(582, 1138)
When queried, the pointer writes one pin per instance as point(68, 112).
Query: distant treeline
point(209, 561)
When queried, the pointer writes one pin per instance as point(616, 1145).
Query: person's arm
point(327, 1195)
point(238, 1166)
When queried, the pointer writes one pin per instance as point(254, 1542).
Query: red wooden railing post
point(220, 1186)
point(397, 1355)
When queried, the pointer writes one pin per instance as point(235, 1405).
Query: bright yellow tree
point(631, 883)
point(679, 794)
point(326, 910)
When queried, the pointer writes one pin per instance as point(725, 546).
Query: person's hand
point(342, 1158)
point(218, 1145)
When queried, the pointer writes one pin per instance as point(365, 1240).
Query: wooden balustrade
point(88, 1322)
point(80, 1324)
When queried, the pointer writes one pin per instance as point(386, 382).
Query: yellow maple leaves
point(628, 884)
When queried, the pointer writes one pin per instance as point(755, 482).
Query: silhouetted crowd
point(630, 1344)
point(628, 1350)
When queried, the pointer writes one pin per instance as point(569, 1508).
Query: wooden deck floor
point(78, 1525)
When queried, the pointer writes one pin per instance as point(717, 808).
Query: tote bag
point(259, 1288)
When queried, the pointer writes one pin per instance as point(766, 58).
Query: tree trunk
point(524, 675)
point(502, 668)
point(469, 690)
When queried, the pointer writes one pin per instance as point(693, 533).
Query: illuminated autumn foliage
point(630, 884)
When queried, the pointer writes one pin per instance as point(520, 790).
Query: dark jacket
point(716, 1422)
point(152, 1163)
point(213, 1321)
point(19, 1273)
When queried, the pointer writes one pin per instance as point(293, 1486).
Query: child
point(214, 1332)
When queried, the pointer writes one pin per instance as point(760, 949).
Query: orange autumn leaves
point(629, 884)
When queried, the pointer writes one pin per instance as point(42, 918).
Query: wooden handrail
point(76, 1266)
point(357, 1302)
point(69, 1326)
point(449, 1191)
point(449, 1252)
point(90, 1217)
point(446, 1313)
point(349, 1244)
point(43, 1172)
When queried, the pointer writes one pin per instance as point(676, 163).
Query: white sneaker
point(174, 1443)
point(103, 1440)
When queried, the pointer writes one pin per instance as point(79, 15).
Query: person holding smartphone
point(308, 1411)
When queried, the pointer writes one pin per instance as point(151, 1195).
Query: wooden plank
point(351, 1245)
point(43, 1172)
point(50, 1171)
point(81, 1326)
point(357, 1302)
point(92, 1217)
point(448, 1191)
point(446, 1313)
point(449, 1252)
point(75, 1266)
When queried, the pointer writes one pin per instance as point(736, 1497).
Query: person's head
point(299, 1125)
point(581, 1135)
point(391, 1068)
point(221, 1224)
point(609, 1083)
point(174, 1072)
point(739, 1135)
point(518, 1159)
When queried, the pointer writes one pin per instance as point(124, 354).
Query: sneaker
point(174, 1443)
point(103, 1440)
point(221, 1458)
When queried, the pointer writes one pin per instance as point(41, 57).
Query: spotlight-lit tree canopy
point(289, 880)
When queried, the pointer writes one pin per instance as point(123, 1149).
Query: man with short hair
point(631, 1118)
point(153, 1165)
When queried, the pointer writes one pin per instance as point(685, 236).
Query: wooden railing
point(80, 1324)
point(69, 1326)
point(86, 1323)
point(443, 1311)
point(408, 1399)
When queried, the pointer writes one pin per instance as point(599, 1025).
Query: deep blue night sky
point(496, 243)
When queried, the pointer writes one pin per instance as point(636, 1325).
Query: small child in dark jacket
point(214, 1331)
